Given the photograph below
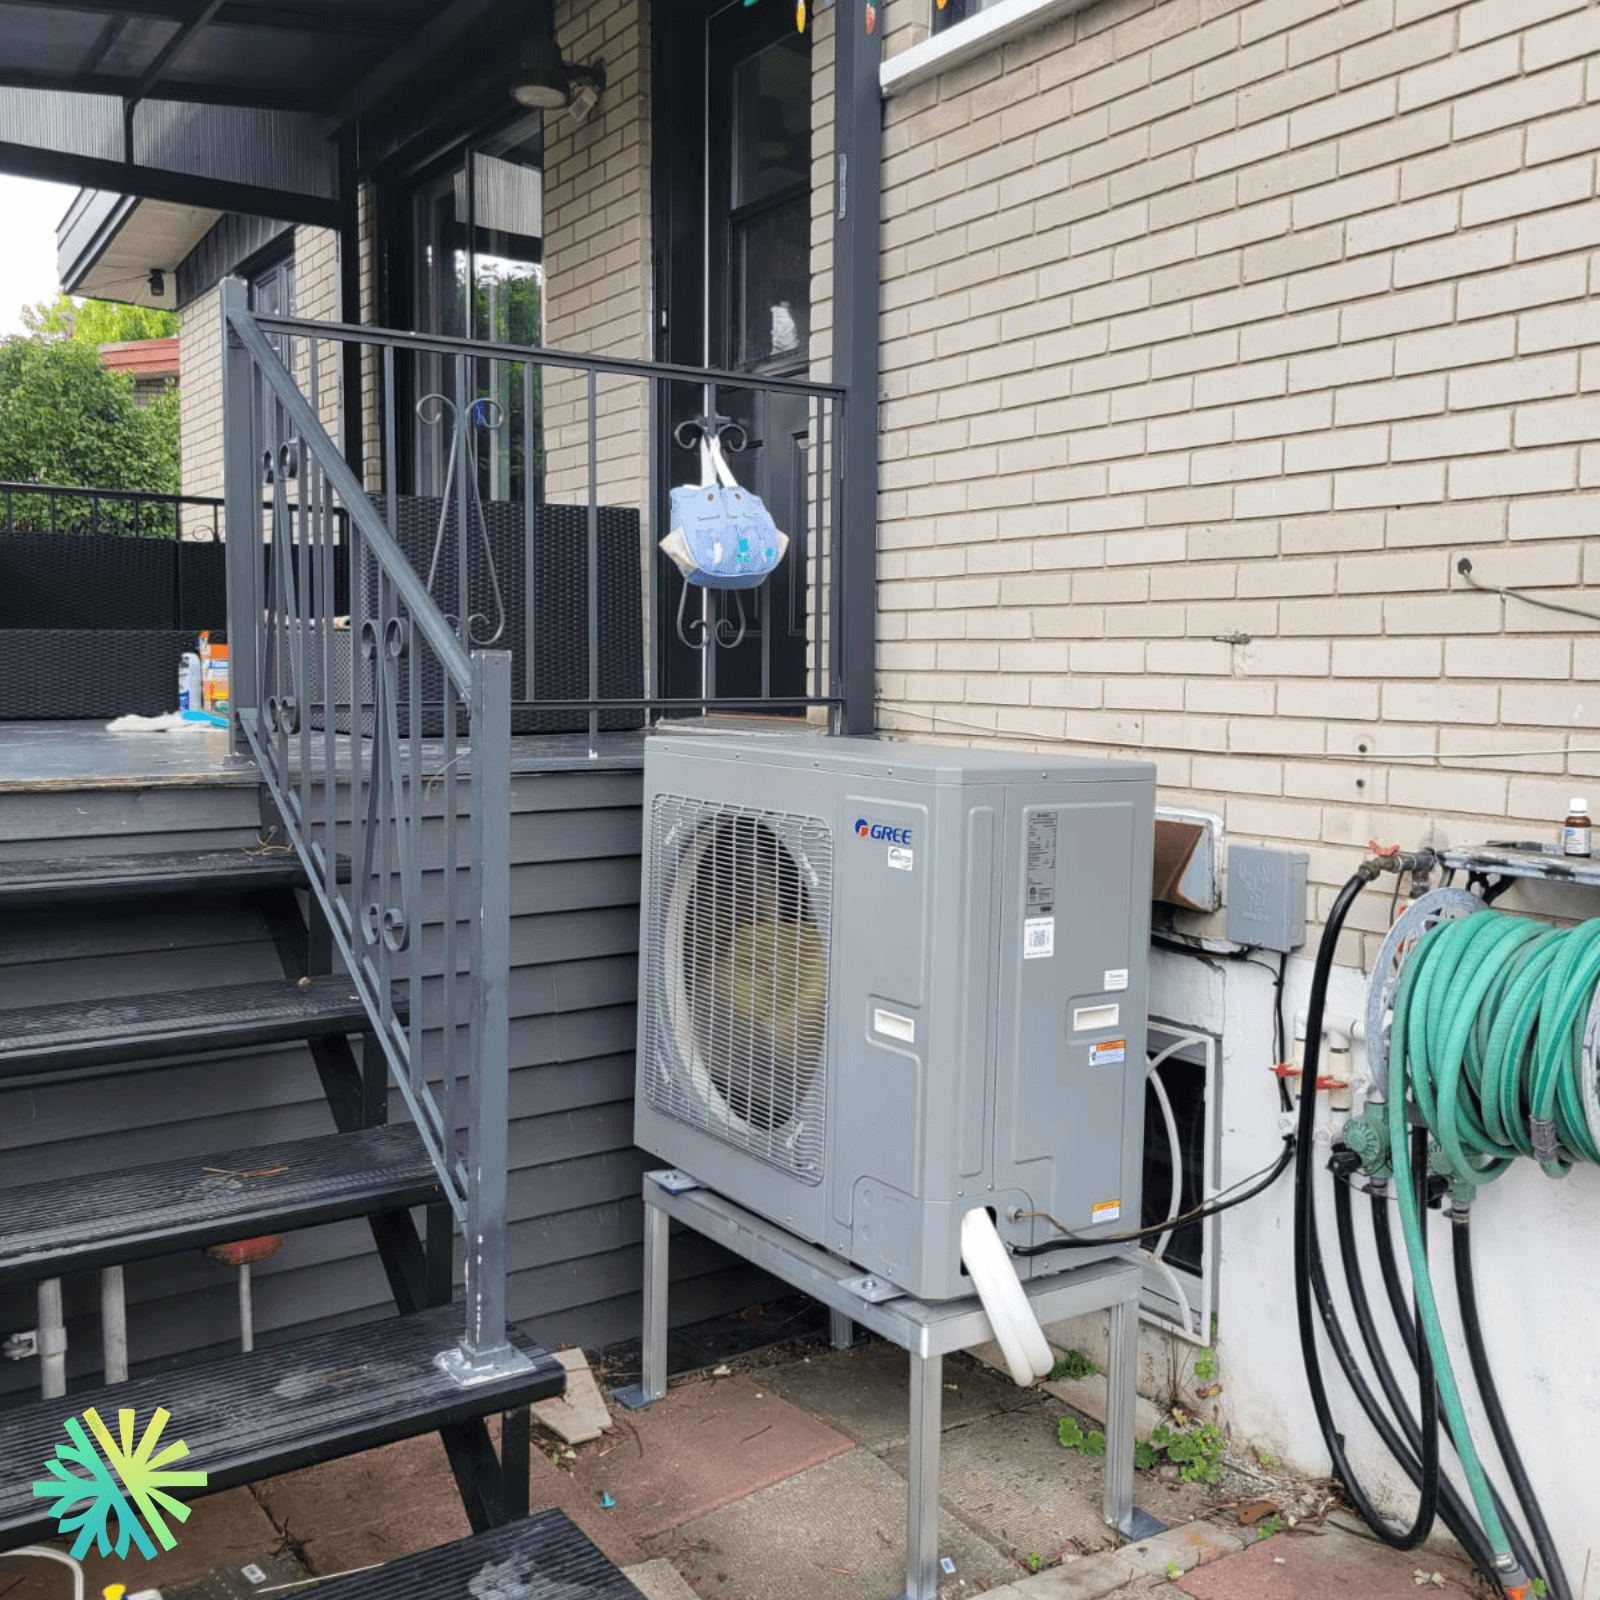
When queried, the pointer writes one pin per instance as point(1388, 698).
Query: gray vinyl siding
point(575, 1215)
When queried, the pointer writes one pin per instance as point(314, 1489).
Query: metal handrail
point(414, 737)
point(361, 802)
point(546, 355)
point(369, 524)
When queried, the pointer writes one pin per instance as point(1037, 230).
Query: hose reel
point(1482, 1036)
point(1423, 915)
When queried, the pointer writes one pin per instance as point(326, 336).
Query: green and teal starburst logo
point(104, 1485)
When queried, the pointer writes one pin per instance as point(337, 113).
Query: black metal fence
point(120, 513)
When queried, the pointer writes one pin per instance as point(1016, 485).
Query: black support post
point(350, 298)
point(857, 152)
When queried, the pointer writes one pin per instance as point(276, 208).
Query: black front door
point(733, 210)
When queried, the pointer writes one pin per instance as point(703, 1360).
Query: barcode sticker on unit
point(1038, 937)
point(1116, 978)
point(1105, 1211)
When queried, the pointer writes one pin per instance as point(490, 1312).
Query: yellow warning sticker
point(1105, 1211)
point(1108, 1053)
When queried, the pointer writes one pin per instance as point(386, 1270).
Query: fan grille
point(739, 959)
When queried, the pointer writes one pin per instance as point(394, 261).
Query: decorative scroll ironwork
point(435, 410)
point(706, 628)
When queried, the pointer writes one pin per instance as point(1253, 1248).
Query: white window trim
point(991, 27)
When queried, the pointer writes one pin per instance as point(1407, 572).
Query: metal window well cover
point(882, 984)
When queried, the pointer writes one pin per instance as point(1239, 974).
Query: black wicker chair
point(550, 592)
point(94, 625)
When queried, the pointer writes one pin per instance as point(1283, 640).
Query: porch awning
point(222, 105)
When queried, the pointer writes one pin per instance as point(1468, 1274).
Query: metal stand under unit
point(928, 1332)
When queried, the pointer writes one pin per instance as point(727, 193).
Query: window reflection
point(482, 222)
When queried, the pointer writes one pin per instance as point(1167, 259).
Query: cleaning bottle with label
point(214, 657)
point(191, 682)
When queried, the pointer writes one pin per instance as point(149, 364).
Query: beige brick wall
point(1214, 334)
point(316, 252)
point(200, 396)
point(597, 254)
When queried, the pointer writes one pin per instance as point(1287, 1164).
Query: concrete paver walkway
point(785, 1480)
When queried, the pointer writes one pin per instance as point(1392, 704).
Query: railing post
point(241, 512)
point(485, 1352)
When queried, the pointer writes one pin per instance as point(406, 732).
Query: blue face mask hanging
point(720, 534)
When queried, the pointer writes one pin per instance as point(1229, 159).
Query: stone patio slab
point(1327, 1563)
point(836, 1532)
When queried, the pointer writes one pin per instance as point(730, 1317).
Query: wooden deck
point(85, 755)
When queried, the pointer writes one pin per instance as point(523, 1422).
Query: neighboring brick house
point(151, 363)
point(1214, 336)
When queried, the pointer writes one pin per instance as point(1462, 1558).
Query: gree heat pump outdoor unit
point(883, 984)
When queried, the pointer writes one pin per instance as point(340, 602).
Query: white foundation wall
point(1532, 1244)
point(1215, 334)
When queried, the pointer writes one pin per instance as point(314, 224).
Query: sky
point(28, 259)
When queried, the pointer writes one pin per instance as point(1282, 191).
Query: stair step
point(70, 1224)
point(247, 1417)
point(136, 877)
point(545, 1556)
point(79, 1033)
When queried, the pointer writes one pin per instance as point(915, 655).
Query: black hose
point(1383, 1237)
point(1310, 1277)
point(1467, 1294)
point(1454, 1512)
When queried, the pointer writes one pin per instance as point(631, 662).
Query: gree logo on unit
point(882, 830)
point(103, 1486)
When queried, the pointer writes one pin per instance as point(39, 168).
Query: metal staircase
point(251, 1415)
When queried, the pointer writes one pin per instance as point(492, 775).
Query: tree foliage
point(64, 419)
point(99, 321)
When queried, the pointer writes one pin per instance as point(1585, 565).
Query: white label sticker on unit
point(901, 857)
point(1108, 1053)
point(1116, 978)
point(894, 1025)
point(1086, 1019)
point(1038, 937)
point(1104, 1211)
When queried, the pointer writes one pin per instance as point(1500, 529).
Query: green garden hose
point(1487, 1036)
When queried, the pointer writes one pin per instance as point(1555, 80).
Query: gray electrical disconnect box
point(1267, 897)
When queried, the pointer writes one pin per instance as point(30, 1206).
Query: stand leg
point(841, 1330)
point(1121, 1379)
point(653, 1335)
point(922, 1496)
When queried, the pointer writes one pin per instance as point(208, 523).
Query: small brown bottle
point(1575, 830)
